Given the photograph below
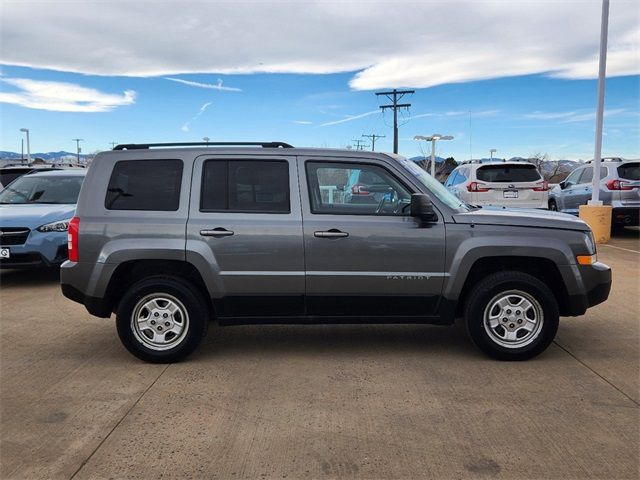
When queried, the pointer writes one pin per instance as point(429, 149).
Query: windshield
point(433, 185)
point(34, 189)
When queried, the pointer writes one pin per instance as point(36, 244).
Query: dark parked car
point(169, 239)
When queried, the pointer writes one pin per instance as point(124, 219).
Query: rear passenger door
point(245, 229)
point(367, 259)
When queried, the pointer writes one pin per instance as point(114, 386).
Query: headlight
point(59, 226)
point(591, 243)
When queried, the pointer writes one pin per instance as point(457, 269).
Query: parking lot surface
point(318, 401)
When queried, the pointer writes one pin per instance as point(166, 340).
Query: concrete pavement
point(317, 401)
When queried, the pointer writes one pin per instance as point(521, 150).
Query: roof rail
point(146, 146)
point(607, 159)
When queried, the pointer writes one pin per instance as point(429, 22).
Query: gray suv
point(619, 187)
point(171, 238)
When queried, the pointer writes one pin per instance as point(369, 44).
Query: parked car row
point(520, 184)
point(619, 187)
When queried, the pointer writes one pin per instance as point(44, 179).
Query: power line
point(394, 96)
point(373, 137)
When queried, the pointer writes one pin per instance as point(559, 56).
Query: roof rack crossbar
point(146, 146)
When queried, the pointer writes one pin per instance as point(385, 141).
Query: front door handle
point(333, 233)
point(216, 232)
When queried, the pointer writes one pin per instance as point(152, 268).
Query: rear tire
point(511, 316)
point(162, 319)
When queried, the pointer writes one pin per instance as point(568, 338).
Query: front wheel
point(511, 316)
point(553, 206)
point(162, 319)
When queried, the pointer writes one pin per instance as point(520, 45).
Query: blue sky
point(518, 116)
point(308, 75)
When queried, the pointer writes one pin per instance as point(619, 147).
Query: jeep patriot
point(171, 236)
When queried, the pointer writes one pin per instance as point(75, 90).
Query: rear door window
point(508, 173)
point(629, 171)
point(152, 185)
point(260, 186)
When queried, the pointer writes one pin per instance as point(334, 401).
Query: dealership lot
point(319, 401)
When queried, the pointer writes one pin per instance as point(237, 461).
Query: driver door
point(364, 254)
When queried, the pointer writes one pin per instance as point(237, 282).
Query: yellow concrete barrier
point(598, 217)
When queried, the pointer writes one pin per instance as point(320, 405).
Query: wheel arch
point(130, 272)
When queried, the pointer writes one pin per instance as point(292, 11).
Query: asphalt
point(292, 402)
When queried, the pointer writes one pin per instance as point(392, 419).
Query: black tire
point(194, 323)
point(553, 206)
point(543, 306)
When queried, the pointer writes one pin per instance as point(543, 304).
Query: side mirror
point(422, 208)
point(563, 185)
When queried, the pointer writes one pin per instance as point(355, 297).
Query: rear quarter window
point(152, 185)
point(629, 171)
point(508, 173)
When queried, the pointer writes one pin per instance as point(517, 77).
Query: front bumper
point(47, 249)
point(596, 285)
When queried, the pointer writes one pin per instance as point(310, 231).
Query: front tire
point(162, 319)
point(553, 206)
point(511, 316)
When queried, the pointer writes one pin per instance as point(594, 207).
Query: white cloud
point(573, 116)
point(390, 44)
point(210, 86)
point(302, 122)
point(61, 96)
point(457, 113)
point(349, 118)
point(186, 125)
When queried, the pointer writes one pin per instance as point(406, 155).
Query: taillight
point(359, 189)
point(543, 187)
point(72, 238)
point(618, 185)
point(476, 187)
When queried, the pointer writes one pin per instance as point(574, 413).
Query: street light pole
point(26, 130)
point(602, 70)
point(433, 139)
point(206, 140)
point(492, 151)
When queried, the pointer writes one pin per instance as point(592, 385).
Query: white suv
point(510, 184)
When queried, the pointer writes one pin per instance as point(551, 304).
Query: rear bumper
point(95, 306)
point(596, 281)
point(86, 283)
point(629, 216)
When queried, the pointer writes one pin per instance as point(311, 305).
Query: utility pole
point(113, 144)
point(373, 137)
point(359, 144)
point(394, 96)
point(78, 140)
point(26, 130)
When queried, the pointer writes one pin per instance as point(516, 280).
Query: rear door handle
point(333, 233)
point(216, 232)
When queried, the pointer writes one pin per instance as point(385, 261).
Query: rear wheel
point(162, 319)
point(511, 316)
point(553, 206)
